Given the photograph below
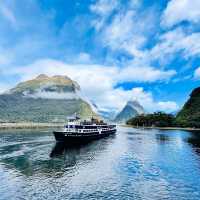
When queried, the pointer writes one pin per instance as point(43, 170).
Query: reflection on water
point(162, 138)
point(68, 154)
point(134, 164)
point(194, 140)
point(58, 149)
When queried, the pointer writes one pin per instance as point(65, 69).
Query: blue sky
point(116, 50)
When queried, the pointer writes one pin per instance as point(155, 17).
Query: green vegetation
point(19, 106)
point(16, 108)
point(158, 119)
point(189, 116)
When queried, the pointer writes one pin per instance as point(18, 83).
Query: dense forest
point(189, 116)
point(158, 119)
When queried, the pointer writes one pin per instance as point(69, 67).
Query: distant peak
point(42, 76)
point(133, 102)
point(136, 105)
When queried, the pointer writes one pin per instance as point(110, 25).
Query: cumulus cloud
point(181, 10)
point(98, 82)
point(176, 41)
point(147, 100)
point(103, 9)
point(51, 95)
point(128, 30)
point(121, 34)
point(144, 74)
point(167, 106)
point(118, 28)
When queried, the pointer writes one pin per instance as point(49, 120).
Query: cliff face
point(43, 99)
point(189, 116)
point(131, 109)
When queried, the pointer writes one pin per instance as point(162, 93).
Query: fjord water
point(134, 164)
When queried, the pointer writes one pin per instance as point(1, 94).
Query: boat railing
point(78, 130)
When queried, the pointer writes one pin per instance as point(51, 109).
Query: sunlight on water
point(134, 164)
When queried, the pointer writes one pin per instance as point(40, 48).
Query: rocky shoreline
point(29, 125)
point(165, 128)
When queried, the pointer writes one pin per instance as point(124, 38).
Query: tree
point(159, 119)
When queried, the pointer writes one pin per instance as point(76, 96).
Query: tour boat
point(79, 132)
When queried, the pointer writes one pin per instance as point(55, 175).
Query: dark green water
point(135, 164)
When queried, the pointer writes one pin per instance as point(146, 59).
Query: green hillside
point(189, 116)
point(15, 108)
point(26, 102)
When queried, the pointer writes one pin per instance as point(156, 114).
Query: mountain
point(43, 99)
point(44, 84)
point(107, 115)
point(189, 116)
point(131, 109)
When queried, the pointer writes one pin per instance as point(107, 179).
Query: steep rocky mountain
point(107, 115)
point(43, 99)
point(131, 109)
point(189, 116)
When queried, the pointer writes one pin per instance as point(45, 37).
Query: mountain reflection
point(194, 140)
point(33, 158)
point(162, 138)
point(68, 154)
point(58, 149)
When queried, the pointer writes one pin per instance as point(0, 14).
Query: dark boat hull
point(76, 139)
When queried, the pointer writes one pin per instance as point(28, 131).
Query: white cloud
point(4, 87)
point(146, 99)
point(144, 74)
point(167, 106)
point(52, 95)
point(197, 73)
point(176, 41)
point(98, 82)
point(103, 9)
point(122, 34)
point(181, 10)
point(129, 29)
point(124, 30)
